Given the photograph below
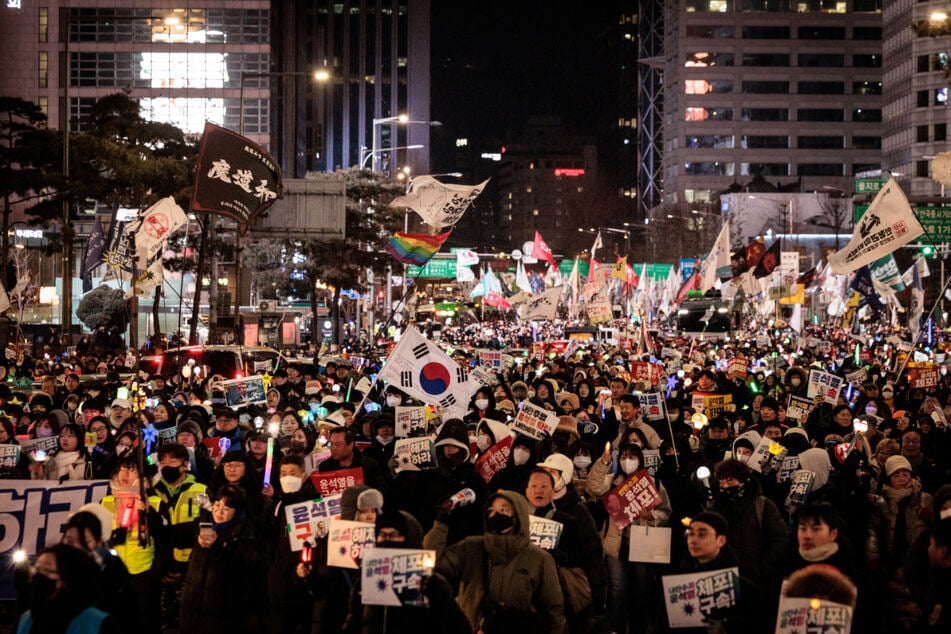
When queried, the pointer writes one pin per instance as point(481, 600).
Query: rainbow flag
point(415, 248)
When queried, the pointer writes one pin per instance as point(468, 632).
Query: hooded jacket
point(521, 577)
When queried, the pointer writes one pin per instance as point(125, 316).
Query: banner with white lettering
point(544, 533)
point(812, 616)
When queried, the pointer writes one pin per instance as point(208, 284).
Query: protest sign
point(336, 482)
point(544, 533)
point(826, 385)
point(491, 359)
point(415, 454)
point(32, 515)
point(482, 376)
point(787, 469)
point(633, 496)
point(346, 541)
point(712, 405)
point(34, 446)
point(312, 461)
point(646, 372)
point(599, 312)
point(168, 434)
point(494, 459)
point(652, 461)
point(241, 392)
point(922, 375)
point(737, 368)
point(9, 456)
point(799, 490)
point(652, 405)
point(812, 616)
point(694, 597)
point(410, 421)
point(535, 421)
point(766, 456)
point(858, 377)
point(798, 408)
point(394, 576)
point(308, 521)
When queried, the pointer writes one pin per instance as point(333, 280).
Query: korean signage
point(712, 405)
point(535, 421)
point(410, 421)
point(394, 576)
point(633, 496)
point(693, 598)
point(336, 482)
point(803, 616)
point(647, 372)
point(544, 533)
point(494, 459)
point(346, 541)
point(826, 385)
point(415, 454)
point(309, 521)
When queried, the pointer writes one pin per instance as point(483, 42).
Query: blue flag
point(94, 251)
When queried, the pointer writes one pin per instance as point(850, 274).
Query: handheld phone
point(122, 392)
point(860, 426)
point(151, 403)
point(372, 407)
point(206, 529)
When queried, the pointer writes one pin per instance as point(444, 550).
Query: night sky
point(496, 62)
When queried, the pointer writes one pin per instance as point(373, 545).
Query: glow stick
point(269, 462)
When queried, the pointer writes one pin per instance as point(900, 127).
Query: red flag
point(540, 250)
point(692, 283)
point(496, 299)
point(593, 267)
point(633, 279)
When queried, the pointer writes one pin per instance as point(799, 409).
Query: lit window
point(44, 69)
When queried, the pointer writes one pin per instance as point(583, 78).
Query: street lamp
point(367, 154)
point(321, 75)
point(402, 119)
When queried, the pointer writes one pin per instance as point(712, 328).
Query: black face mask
point(296, 445)
point(498, 523)
point(386, 543)
point(730, 494)
point(171, 474)
point(43, 588)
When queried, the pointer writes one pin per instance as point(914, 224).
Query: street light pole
point(377, 123)
point(368, 154)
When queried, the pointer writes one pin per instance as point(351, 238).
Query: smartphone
point(206, 529)
point(150, 403)
point(122, 392)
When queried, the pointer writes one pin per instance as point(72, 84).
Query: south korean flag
point(419, 368)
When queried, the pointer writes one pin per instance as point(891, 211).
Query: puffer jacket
point(600, 481)
point(522, 578)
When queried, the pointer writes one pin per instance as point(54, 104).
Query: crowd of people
point(195, 539)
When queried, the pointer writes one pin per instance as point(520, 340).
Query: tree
point(340, 263)
point(27, 149)
point(104, 307)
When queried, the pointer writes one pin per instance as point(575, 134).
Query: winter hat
point(506, 406)
point(370, 499)
point(896, 463)
point(712, 519)
point(572, 399)
point(560, 463)
point(189, 426)
point(568, 425)
point(348, 500)
point(61, 417)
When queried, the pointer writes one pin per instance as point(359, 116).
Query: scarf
point(819, 553)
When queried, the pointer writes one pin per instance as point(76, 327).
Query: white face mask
point(520, 456)
point(582, 462)
point(482, 403)
point(44, 432)
point(384, 441)
point(393, 401)
point(291, 484)
point(871, 409)
point(742, 457)
point(630, 465)
point(483, 442)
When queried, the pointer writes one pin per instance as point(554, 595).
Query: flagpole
point(402, 302)
point(921, 330)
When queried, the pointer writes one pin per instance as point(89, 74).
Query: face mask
point(531, 393)
point(482, 403)
point(582, 462)
point(629, 465)
point(744, 458)
point(297, 445)
point(871, 409)
point(483, 442)
point(171, 474)
point(386, 543)
point(44, 432)
point(43, 588)
point(384, 441)
point(520, 456)
point(795, 382)
point(498, 523)
point(731, 493)
point(291, 484)
point(393, 401)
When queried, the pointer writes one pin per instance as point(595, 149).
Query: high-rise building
point(789, 91)
point(378, 58)
point(915, 110)
point(183, 62)
point(212, 60)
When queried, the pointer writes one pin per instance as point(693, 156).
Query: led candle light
point(269, 462)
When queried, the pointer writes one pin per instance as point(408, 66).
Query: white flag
point(597, 245)
point(419, 368)
point(153, 229)
point(916, 305)
point(438, 204)
point(464, 274)
point(466, 257)
point(718, 258)
point(543, 306)
point(521, 279)
point(888, 224)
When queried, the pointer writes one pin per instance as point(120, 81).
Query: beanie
point(712, 519)
point(896, 463)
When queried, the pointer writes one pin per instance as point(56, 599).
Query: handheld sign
point(415, 454)
point(394, 576)
point(336, 482)
point(815, 616)
point(535, 421)
point(494, 459)
point(692, 598)
point(544, 533)
point(630, 498)
point(410, 421)
point(346, 542)
point(308, 521)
